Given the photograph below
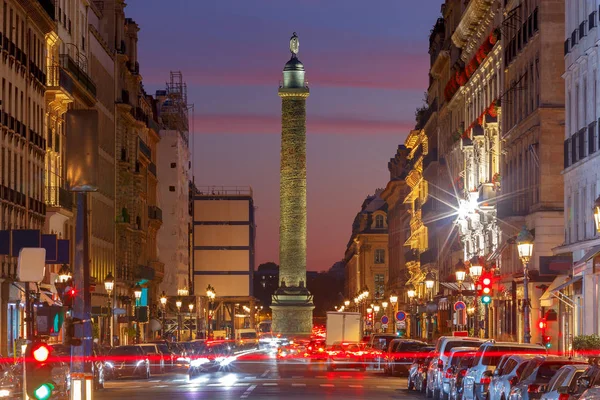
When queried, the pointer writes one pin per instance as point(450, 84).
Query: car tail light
point(563, 396)
point(448, 373)
point(485, 380)
point(440, 364)
point(513, 380)
point(463, 373)
point(533, 389)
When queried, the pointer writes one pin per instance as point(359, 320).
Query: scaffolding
point(174, 110)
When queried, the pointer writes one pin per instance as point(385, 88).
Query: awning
point(454, 286)
point(567, 284)
point(591, 253)
point(547, 300)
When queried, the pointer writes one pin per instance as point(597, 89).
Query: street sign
point(384, 326)
point(401, 324)
point(459, 305)
point(384, 320)
point(400, 316)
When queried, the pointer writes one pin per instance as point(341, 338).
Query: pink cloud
point(248, 123)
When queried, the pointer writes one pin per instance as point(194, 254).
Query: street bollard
point(82, 386)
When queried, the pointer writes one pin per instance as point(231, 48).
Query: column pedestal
point(292, 309)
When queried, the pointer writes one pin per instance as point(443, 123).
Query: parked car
point(479, 376)
point(418, 368)
point(587, 380)
point(456, 381)
point(564, 382)
point(436, 369)
point(536, 376)
point(60, 360)
point(400, 355)
point(592, 393)
point(345, 355)
point(127, 361)
point(456, 355)
point(506, 375)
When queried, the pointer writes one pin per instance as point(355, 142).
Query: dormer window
point(379, 222)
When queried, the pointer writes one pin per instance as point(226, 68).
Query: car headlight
point(109, 364)
point(139, 363)
point(199, 361)
point(219, 359)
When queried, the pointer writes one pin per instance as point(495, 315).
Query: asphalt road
point(262, 377)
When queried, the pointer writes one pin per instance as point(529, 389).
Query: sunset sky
point(366, 64)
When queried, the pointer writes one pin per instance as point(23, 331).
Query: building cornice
point(476, 14)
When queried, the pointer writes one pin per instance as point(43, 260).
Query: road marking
point(247, 392)
point(383, 387)
point(269, 384)
point(241, 384)
point(298, 384)
point(355, 386)
point(161, 386)
point(264, 375)
point(156, 380)
point(327, 385)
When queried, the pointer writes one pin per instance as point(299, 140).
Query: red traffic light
point(40, 352)
point(542, 324)
point(486, 281)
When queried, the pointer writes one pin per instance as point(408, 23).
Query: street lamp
point(163, 303)
point(346, 303)
point(178, 304)
point(64, 274)
point(525, 247)
point(475, 270)
point(211, 294)
point(597, 214)
point(137, 292)
point(109, 284)
point(430, 281)
point(191, 308)
point(384, 304)
point(461, 273)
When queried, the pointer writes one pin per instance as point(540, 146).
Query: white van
point(246, 338)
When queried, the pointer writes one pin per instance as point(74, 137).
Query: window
point(171, 188)
point(379, 286)
point(379, 222)
point(379, 256)
point(173, 165)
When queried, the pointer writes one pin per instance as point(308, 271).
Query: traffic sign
point(400, 316)
point(385, 320)
point(459, 305)
point(401, 324)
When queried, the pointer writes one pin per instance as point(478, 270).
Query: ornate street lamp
point(384, 304)
point(178, 304)
point(109, 284)
point(163, 303)
point(411, 292)
point(346, 303)
point(597, 214)
point(376, 308)
point(476, 269)
point(461, 272)
point(137, 292)
point(191, 308)
point(430, 281)
point(525, 247)
point(211, 293)
point(64, 274)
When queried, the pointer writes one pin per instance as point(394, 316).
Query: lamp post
point(178, 305)
point(525, 247)
point(109, 284)
point(376, 309)
point(211, 294)
point(163, 304)
point(191, 308)
point(137, 291)
point(429, 283)
point(461, 273)
point(346, 303)
point(64, 274)
point(475, 270)
point(411, 293)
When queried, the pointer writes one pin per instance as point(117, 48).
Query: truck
point(343, 327)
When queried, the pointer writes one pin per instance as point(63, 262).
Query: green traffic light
point(44, 391)
point(486, 299)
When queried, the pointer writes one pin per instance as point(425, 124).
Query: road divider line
point(298, 384)
point(383, 387)
point(269, 384)
point(327, 385)
point(247, 392)
point(264, 374)
point(355, 386)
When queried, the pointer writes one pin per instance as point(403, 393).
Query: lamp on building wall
point(109, 285)
point(597, 214)
point(525, 247)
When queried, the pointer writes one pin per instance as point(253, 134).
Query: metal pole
point(110, 324)
point(162, 331)
point(526, 327)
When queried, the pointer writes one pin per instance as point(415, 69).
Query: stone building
point(27, 33)
point(366, 256)
point(581, 165)
point(138, 218)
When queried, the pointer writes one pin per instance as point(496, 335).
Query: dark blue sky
point(366, 63)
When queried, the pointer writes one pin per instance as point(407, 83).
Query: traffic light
point(69, 338)
point(69, 296)
point(486, 289)
point(542, 324)
point(547, 341)
point(38, 371)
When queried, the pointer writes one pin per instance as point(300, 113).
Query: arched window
point(379, 221)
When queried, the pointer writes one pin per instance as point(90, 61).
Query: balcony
point(78, 74)
point(59, 81)
point(154, 213)
point(59, 197)
point(139, 115)
point(48, 6)
point(145, 150)
point(411, 255)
